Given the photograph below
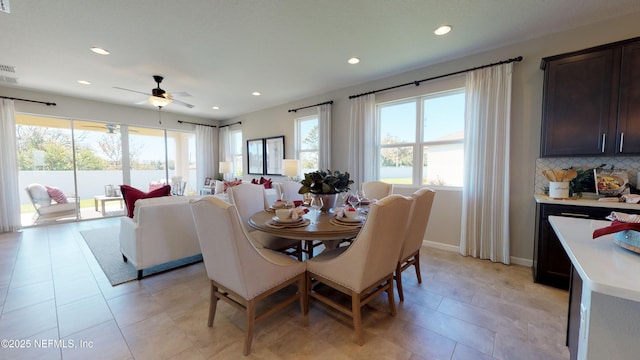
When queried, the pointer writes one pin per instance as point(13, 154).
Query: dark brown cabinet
point(591, 101)
point(551, 265)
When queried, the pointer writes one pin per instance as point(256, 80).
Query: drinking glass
point(316, 204)
point(353, 199)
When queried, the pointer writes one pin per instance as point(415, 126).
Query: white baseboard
point(456, 248)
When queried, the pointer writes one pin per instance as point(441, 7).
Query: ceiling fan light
point(159, 101)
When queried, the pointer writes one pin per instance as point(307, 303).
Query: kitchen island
point(604, 311)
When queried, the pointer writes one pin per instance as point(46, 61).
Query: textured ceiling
point(221, 51)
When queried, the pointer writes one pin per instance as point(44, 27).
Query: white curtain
point(363, 162)
point(485, 195)
point(9, 187)
point(206, 137)
point(324, 134)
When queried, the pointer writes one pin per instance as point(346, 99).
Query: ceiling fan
point(158, 96)
point(111, 128)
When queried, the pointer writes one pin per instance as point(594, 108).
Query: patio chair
point(47, 209)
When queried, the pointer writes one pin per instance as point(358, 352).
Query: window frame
point(298, 138)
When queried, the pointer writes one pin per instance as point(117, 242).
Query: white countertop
point(603, 266)
point(545, 199)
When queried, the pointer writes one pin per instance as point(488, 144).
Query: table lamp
point(290, 168)
point(226, 167)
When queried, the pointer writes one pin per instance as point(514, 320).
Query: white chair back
point(376, 190)
point(248, 199)
point(418, 220)
point(290, 190)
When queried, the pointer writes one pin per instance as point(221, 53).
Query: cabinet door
point(628, 141)
point(579, 115)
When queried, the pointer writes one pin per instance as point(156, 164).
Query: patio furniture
point(47, 209)
point(104, 199)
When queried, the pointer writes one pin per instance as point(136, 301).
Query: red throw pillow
point(56, 194)
point(131, 195)
point(232, 183)
point(267, 183)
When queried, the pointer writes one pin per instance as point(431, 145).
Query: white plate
point(277, 220)
point(357, 219)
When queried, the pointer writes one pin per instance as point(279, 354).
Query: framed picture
point(274, 153)
point(255, 156)
point(207, 181)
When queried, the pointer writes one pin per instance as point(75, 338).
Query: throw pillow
point(131, 195)
point(155, 185)
point(267, 183)
point(232, 183)
point(56, 194)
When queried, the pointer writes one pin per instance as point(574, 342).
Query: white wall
point(525, 128)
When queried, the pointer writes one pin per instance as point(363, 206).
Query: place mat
point(337, 222)
point(274, 225)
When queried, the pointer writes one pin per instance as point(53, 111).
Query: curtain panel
point(9, 187)
point(363, 159)
point(485, 195)
point(324, 132)
point(206, 138)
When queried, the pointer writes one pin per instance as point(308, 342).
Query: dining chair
point(289, 190)
point(240, 273)
point(365, 269)
point(376, 190)
point(250, 199)
point(416, 228)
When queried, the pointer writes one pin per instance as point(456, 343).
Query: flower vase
point(329, 201)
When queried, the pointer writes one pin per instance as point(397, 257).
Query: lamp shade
point(226, 167)
point(159, 101)
point(290, 167)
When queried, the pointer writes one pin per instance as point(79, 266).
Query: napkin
point(298, 212)
point(619, 222)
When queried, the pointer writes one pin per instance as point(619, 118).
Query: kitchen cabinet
point(591, 101)
point(551, 266)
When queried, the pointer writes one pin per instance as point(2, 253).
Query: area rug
point(105, 246)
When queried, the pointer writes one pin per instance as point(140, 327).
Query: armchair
point(47, 209)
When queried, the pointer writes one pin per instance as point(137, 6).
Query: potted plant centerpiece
point(327, 184)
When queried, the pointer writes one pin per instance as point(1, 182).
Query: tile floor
point(55, 299)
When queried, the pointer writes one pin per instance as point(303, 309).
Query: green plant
point(325, 182)
point(585, 181)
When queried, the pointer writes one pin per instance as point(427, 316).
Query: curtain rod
point(27, 100)
point(239, 122)
point(306, 107)
point(192, 123)
point(417, 82)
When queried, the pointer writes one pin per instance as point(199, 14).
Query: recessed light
point(100, 51)
point(353, 60)
point(84, 82)
point(256, 93)
point(444, 29)
point(215, 107)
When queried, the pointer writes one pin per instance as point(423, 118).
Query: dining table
point(322, 227)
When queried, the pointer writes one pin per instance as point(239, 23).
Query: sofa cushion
point(131, 195)
point(56, 194)
point(39, 195)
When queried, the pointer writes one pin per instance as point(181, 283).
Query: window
point(235, 139)
point(307, 143)
point(421, 139)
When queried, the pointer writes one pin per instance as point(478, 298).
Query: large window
point(235, 140)
point(307, 143)
point(421, 139)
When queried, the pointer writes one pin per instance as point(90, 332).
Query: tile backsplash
point(631, 164)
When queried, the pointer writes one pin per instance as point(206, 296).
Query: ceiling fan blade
point(182, 103)
point(135, 91)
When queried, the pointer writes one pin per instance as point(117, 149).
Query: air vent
point(7, 68)
point(4, 6)
point(8, 80)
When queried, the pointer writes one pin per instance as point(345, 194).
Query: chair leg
point(302, 290)
point(399, 281)
point(392, 300)
point(356, 311)
point(417, 266)
point(124, 258)
point(213, 304)
point(140, 274)
point(251, 323)
point(307, 291)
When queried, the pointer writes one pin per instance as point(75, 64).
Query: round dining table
point(320, 227)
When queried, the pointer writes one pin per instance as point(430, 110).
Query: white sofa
point(161, 230)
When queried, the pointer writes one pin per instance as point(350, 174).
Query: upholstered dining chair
point(365, 269)
point(376, 189)
point(417, 226)
point(250, 199)
point(288, 190)
point(240, 273)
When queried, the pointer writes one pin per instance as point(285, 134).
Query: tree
point(396, 156)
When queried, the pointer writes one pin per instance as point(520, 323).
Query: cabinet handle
point(574, 215)
point(621, 141)
point(604, 140)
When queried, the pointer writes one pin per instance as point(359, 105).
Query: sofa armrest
point(129, 246)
